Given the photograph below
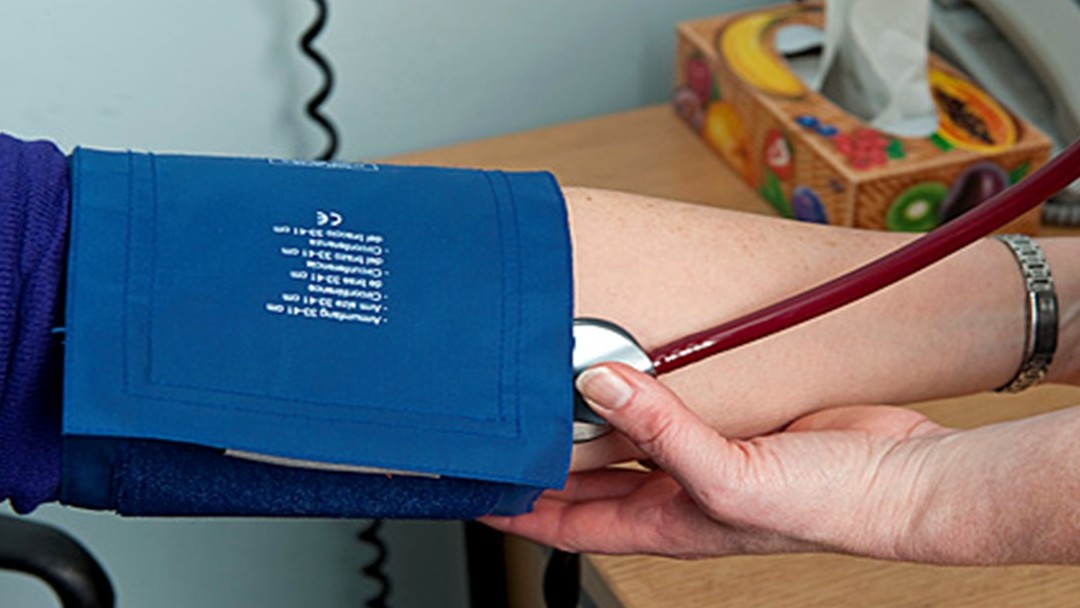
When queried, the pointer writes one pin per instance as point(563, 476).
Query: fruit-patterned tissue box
point(813, 161)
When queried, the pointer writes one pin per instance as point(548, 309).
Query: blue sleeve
point(34, 197)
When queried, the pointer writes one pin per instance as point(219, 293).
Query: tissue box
point(813, 161)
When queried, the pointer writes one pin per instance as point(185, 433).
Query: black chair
point(57, 559)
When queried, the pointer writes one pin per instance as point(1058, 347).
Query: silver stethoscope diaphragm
point(598, 341)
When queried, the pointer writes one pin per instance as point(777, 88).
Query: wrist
point(999, 494)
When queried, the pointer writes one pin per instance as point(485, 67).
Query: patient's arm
point(662, 270)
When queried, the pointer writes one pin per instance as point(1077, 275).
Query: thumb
point(671, 435)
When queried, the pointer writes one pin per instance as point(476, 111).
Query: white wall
point(224, 77)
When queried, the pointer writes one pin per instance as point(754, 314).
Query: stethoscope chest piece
point(597, 341)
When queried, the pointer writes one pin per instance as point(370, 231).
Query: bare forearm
point(663, 270)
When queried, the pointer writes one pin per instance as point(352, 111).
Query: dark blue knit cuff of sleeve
point(34, 203)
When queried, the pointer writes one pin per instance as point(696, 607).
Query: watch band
point(1041, 328)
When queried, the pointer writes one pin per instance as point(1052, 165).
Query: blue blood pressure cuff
point(256, 337)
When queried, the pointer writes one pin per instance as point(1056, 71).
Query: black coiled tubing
point(314, 104)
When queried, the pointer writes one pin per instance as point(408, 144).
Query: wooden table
point(649, 151)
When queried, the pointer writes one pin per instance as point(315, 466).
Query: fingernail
point(604, 388)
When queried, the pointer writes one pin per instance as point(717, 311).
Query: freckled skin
point(663, 270)
point(771, 448)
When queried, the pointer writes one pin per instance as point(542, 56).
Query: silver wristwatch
point(1041, 329)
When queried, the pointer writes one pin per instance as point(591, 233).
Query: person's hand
point(858, 480)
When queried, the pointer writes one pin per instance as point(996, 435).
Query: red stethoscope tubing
point(863, 281)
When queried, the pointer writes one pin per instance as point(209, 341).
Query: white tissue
point(874, 63)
